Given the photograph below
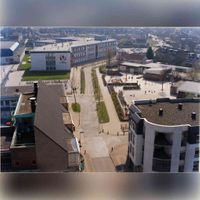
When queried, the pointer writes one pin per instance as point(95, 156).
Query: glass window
point(196, 166)
point(197, 153)
point(7, 103)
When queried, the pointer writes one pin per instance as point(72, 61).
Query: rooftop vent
point(180, 106)
point(193, 115)
point(160, 112)
point(33, 104)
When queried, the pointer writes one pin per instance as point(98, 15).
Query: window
point(182, 156)
point(196, 166)
point(2, 103)
point(196, 153)
point(133, 138)
point(132, 151)
point(7, 103)
point(181, 169)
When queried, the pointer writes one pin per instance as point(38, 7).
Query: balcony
point(160, 140)
point(161, 154)
point(161, 165)
point(182, 156)
point(24, 136)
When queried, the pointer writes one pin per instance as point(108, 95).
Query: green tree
point(150, 54)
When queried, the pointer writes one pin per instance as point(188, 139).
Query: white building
point(61, 56)
point(50, 57)
point(164, 135)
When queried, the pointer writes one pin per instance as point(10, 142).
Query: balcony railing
point(161, 165)
point(161, 154)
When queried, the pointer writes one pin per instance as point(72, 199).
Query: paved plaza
point(95, 144)
point(148, 89)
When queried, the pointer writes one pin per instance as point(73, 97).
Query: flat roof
point(153, 65)
point(131, 64)
point(24, 105)
point(171, 114)
point(6, 44)
point(46, 41)
point(66, 46)
point(190, 87)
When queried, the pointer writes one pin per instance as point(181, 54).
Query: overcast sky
point(100, 12)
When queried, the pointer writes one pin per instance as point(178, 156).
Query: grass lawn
point(45, 75)
point(76, 107)
point(82, 82)
point(25, 65)
point(96, 87)
point(102, 112)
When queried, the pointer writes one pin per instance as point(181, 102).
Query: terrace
point(23, 136)
point(24, 106)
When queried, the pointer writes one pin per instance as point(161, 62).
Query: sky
point(100, 12)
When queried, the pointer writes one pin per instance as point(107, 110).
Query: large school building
point(61, 56)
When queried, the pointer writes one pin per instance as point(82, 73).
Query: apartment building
point(164, 135)
point(43, 139)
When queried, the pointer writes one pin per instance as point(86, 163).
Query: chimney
point(180, 106)
point(35, 88)
point(193, 115)
point(33, 106)
point(160, 112)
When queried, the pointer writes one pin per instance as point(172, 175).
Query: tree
point(150, 54)
point(109, 57)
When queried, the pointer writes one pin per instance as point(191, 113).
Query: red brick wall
point(23, 157)
point(50, 156)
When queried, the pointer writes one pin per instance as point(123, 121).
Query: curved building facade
point(164, 135)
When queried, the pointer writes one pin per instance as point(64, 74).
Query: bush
point(82, 81)
point(118, 107)
point(102, 112)
point(102, 69)
point(76, 107)
point(95, 83)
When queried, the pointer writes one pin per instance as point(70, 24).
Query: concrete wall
point(50, 156)
point(190, 157)
point(176, 132)
point(38, 61)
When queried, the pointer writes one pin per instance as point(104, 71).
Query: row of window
point(76, 49)
point(8, 103)
point(79, 54)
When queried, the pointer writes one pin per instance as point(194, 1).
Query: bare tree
point(109, 57)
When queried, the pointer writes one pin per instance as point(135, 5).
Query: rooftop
point(24, 105)
point(66, 46)
point(190, 87)
point(171, 114)
point(15, 90)
point(52, 125)
point(9, 45)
